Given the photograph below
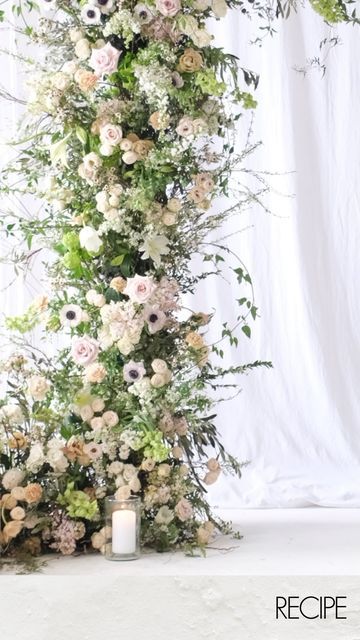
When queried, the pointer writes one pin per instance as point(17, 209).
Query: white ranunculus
point(90, 240)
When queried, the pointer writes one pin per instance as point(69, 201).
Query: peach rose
point(190, 61)
point(12, 529)
point(33, 493)
point(86, 80)
point(95, 373)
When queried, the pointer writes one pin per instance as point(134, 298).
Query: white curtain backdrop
point(297, 424)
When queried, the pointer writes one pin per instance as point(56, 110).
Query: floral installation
point(127, 141)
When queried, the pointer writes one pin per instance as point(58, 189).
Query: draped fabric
point(297, 424)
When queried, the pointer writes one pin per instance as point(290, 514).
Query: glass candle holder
point(122, 524)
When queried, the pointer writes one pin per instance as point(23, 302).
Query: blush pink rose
point(168, 8)
point(104, 60)
point(139, 289)
point(84, 350)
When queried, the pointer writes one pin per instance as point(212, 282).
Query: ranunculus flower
point(159, 366)
point(82, 49)
point(105, 60)
point(130, 157)
point(84, 350)
point(11, 530)
point(168, 8)
point(90, 239)
point(139, 288)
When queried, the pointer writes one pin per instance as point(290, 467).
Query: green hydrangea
point(208, 83)
point(78, 503)
point(154, 446)
point(331, 10)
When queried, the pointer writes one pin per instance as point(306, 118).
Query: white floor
point(276, 542)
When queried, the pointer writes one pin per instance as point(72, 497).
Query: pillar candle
point(124, 531)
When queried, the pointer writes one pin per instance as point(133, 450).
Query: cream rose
point(95, 373)
point(38, 387)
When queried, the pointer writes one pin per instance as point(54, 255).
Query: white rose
point(90, 240)
point(12, 478)
point(11, 414)
point(75, 35)
point(219, 7)
point(82, 49)
point(159, 366)
point(36, 458)
point(201, 38)
point(125, 346)
point(55, 456)
point(96, 299)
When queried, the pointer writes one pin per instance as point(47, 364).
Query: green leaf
point(246, 329)
point(116, 262)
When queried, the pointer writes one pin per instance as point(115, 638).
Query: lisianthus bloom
point(84, 350)
point(134, 371)
point(139, 288)
point(105, 60)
